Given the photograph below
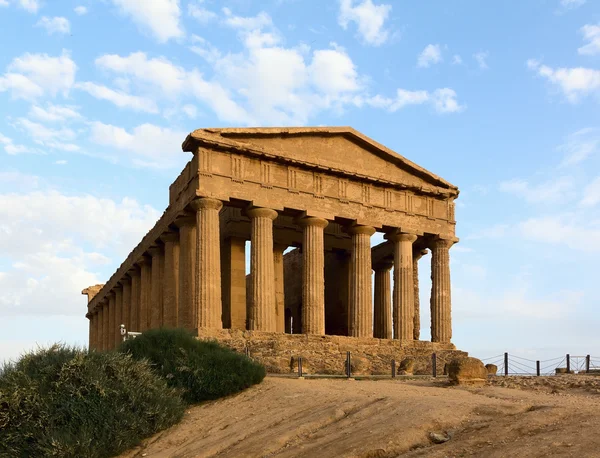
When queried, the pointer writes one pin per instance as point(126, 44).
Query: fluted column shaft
point(279, 316)
point(105, 326)
point(262, 270)
point(360, 316)
point(126, 311)
point(441, 304)
point(186, 316)
point(135, 300)
point(313, 275)
point(170, 283)
point(97, 330)
point(404, 296)
point(417, 302)
point(382, 327)
point(208, 301)
point(91, 333)
point(100, 336)
point(111, 319)
point(156, 285)
point(118, 314)
point(145, 289)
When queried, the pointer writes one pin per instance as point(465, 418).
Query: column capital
point(398, 236)
point(311, 221)
point(133, 270)
point(206, 202)
point(261, 212)
point(418, 254)
point(170, 236)
point(155, 250)
point(360, 229)
point(118, 286)
point(439, 242)
point(185, 221)
point(144, 260)
point(384, 264)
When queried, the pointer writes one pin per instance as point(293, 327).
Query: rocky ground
point(513, 417)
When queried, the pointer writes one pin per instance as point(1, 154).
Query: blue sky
point(501, 99)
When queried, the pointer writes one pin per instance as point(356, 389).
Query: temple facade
point(309, 201)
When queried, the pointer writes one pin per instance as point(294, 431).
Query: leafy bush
point(202, 370)
point(66, 402)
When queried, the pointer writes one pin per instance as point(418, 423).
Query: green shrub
point(69, 402)
point(202, 370)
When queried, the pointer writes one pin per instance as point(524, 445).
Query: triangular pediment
point(335, 148)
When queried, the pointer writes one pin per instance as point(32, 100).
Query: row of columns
point(178, 282)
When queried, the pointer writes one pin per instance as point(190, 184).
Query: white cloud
point(369, 18)
point(32, 6)
point(52, 242)
point(591, 194)
point(48, 137)
point(190, 111)
point(568, 229)
point(481, 58)
point(551, 192)
point(60, 162)
point(10, 147)
point(34, 75)
point(160, 17)
point(432, 54)
point(54, 25)
point(333, 72)
point(579, 146)
point(591, 33)
point(80, 10)
point(571, 4)
point(456, 59)
point(574, 82)
point(150, 145)
point(3, 2)
point(202, 15)
point(54, 113)
point(120, 99)
point(443, 100)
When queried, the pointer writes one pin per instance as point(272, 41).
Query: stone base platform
point(327, 354)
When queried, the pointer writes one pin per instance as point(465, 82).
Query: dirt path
point(385, 418)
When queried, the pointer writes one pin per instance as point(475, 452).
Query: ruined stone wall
point(327, 354)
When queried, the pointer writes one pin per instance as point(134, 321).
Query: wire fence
point(509, 364)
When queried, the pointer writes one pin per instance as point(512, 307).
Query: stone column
point(441, 304)
point(136, 279)
point(126, 311)
point(91, 332)
point(156, 285)
point(97, 330)
point(118, 314)
point(100, 335)
point(105, 325)
point(313, 275)
point(111, 319)
point(145, 264)
point(262, 269)
point(404, 296)
point(382, 328)
point(233, 281)
point(418, 254)
point(279, 288)
point(170, 281)
point(360, 316)
point(186, 316)
point(207, 303)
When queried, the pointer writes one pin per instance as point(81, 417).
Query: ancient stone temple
point(308, 200)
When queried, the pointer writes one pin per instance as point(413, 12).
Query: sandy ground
point(515, 417)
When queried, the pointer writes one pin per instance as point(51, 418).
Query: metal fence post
point(393, 368)
point(537, 368)
point(505, 364)
point(300, 366)
point(348, 367)
point(434, 364)
point(568, 363)
point(587, 364)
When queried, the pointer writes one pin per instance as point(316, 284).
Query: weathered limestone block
point(91, 291)
point(467, 371)
point(492, 369)
point(407, 367)
point(327, 354)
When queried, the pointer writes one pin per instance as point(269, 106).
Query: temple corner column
point(441, 303)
